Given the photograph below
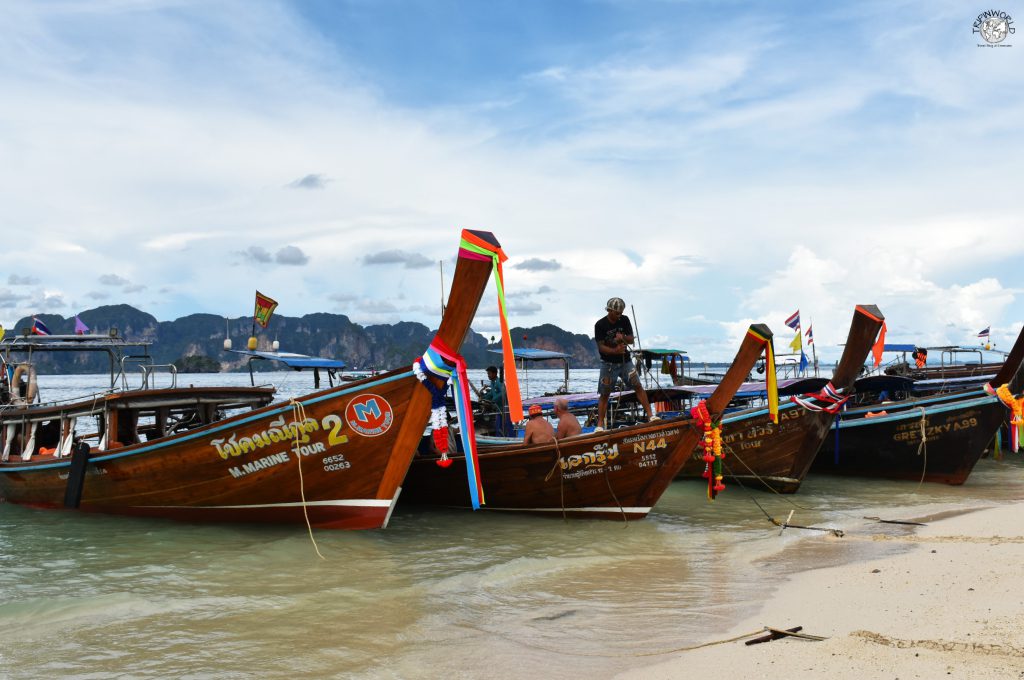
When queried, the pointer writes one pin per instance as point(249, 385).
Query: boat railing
point(150, 371)
point(122, 365)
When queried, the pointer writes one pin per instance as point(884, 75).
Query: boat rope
point(661, 652)
point(608, 481)
point(923, 448)
point(835, 532)
point(561, 479)
point(298, 418)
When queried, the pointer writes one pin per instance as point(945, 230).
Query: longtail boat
point(777, 456)
point(612, 474)
point(334, 458)
point(935, 439)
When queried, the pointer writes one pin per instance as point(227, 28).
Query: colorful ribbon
point(828, 395)
point(711, 442)
point(441, 361)
point(1016, 406)
point(771, 381)
point(475, 248)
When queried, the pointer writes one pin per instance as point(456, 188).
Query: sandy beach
point(951, 606)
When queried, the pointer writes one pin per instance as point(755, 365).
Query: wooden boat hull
point(765, 455)
point(269, 465)
point(335, 458)
point(957, 432)
point(604, 475)
point(613, 474)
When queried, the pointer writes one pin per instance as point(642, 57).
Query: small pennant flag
point(984, 333)
point(794, 321)
point(796, 345)
point(810, 335)
point(1, 332)
point(264, 309)
point(879, 346)
point(80, 327)
point(39, 328)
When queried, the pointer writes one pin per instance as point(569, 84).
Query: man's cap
point(535, 410)
point(615, 304)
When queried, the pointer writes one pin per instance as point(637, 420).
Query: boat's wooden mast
point(746, 357)
point(468, 284)
point(867, 319)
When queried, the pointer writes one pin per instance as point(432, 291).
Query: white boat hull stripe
point(612, 508)
point(360, 502)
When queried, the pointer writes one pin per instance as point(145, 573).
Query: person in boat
point(614, 334)
point(538, 429)
point(494, 399)
point(568, 426)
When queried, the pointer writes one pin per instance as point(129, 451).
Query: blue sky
point(713, 163)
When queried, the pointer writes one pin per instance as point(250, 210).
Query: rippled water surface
point(437, 593)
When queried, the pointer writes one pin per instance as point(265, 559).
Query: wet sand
point(949, 606)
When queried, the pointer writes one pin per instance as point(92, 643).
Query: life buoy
point(33, 387)
point(31, 391)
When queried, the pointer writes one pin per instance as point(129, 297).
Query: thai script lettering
point(599, 457)
point(279, 432)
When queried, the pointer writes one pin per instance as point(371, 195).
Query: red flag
point(879, 346)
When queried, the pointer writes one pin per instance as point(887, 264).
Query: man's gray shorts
point(612, 373)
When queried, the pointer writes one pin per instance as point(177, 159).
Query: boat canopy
point(120, 351)
point(530, 354)
point(888, 383)
point(293, 360)
point(898, 348)
point(533, 354)
point(655, 353)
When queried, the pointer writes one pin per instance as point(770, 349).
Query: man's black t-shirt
point(605, 330)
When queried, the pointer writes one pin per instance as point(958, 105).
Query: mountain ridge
point(323, 334)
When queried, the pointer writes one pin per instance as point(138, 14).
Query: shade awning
point(292, 360)
point(533, 354)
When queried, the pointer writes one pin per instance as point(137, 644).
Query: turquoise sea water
point(437, 593)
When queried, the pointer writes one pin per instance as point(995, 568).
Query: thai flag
point(984, 333)
point(39, 328)
point(810, 335)
point(794, 321)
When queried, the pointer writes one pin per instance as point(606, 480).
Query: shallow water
point(438, 593)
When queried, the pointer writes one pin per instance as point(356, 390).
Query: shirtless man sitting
point(568, 426)
point(538, 429)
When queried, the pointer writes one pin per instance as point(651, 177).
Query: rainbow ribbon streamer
point(771, 381)
point(829, 395)
point(440, 360)
point(476, 249)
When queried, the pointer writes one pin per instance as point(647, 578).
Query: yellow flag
point(796, 345)
point(1, 332)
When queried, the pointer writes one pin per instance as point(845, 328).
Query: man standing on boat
point(613, 334)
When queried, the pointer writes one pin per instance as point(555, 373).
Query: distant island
point(194, 343)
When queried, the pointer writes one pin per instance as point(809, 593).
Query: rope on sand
point(662, 652)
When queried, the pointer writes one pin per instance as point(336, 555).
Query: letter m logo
point(370, 408)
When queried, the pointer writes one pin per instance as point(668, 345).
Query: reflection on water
point(440, 593)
